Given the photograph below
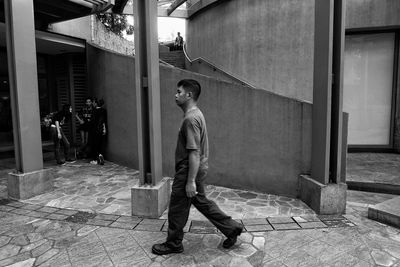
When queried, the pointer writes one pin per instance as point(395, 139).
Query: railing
point(215, 68)
point(166, 63)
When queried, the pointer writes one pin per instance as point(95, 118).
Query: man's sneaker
point(101, 159)
point(231, 240)
point(70, 160)
point(60, 162)
point(163, 249)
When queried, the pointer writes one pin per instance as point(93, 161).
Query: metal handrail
point(165, 63)
point(215, 67)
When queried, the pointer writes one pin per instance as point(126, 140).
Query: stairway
point(175, 58)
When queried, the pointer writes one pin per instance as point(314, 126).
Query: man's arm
point(79, 119)
point(194, 163)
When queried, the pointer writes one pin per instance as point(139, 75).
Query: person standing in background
point(59, 119)
point(178, 42)
point(85, 119)
point(99, 131)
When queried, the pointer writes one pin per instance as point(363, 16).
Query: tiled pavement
point(49, 231)
point(106, 189)
point(30, 241)
point(156, 225)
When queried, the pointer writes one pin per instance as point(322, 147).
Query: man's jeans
point(179, 208)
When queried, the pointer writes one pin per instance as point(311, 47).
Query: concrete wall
point(269, 43)
point(109, 40)
point(208, 69)
point(372, 13)
point(111, 76)
point(93, 31)
point(79, 28)
point(258, 140)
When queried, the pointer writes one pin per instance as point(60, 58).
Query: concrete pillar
point(322, 93)
point(337, 139)
point(29, 179)
point(150, 197)
point(322, 191)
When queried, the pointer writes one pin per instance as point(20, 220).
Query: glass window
point(368, 81)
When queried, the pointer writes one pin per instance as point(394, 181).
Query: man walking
point(191, 165)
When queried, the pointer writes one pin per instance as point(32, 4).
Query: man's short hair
point(192, 86)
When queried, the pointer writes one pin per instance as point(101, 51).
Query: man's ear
point(190, 94)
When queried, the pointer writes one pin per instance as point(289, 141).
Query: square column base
point(30, 184)
point(151, 201)
point(323, 199)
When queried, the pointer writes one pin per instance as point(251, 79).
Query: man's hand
point(191, 189)
point(59, 136)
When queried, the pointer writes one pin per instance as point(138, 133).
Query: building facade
point(270, 44)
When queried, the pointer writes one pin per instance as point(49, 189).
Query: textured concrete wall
point(111, 41)
point(258, 140)
point(112, 76)
point(269, 43)
point(372, 13)
point(209, 69)
point(93, 31)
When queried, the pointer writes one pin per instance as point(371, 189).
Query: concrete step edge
point(380, 213)
point(374, 187)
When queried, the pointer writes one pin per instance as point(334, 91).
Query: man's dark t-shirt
point(99, 118)
point(192, 136)
point(87, 115)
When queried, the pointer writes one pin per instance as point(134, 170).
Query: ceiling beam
point(163, 12)
point(174, 5)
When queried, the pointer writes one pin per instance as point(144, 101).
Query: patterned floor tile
point(285, 226)
point(98, 222)
point(107, 217)
point(258, 228)
point(55, 216)
point(306, 218)
point(311, 225)
point(339, 223)
point(255, 221)
point(122, 225)
point(129, 219)
point(66, 212)
point(47, 209)
point(273, 220)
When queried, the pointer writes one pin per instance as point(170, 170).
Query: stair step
point(175, 58)
point(387, 212)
